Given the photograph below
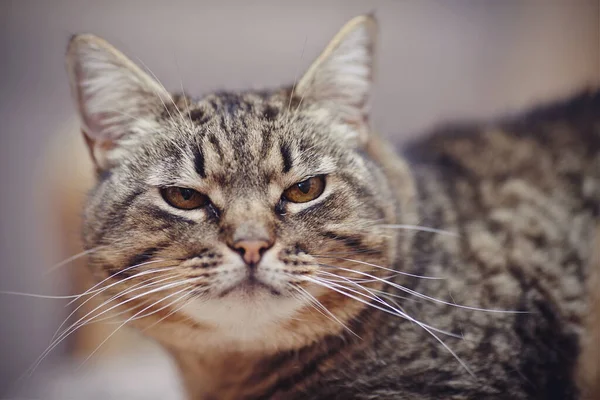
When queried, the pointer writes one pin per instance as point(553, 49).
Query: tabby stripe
point(199, 161)
point(266, 142)
point(286, 155)
point(350, 241)
point(139, 258)
point(115, 213)
point(212, 138)
point(199, 116)
point(158, 213)
point(143, 256)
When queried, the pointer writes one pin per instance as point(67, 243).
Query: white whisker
point(317, 305)
point(134, 288)
point(52, 297)
point(73, 258)
point(397, 311)
point(118, 273)
point(105, 303)
point(190, 293)
point(35, 295)
point(418, 228)
point(77, 325)
point(103, 289)
point(128, 320)
point(417, 294)
point(384, 268)
point(425, 327)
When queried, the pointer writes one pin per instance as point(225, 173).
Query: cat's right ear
point(115, 99)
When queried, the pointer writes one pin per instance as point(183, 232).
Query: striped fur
point(522, 197)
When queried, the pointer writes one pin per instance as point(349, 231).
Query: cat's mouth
point(250, 286)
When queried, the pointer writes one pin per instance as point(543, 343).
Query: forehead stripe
point(212, 138)
point(199, 162)
point(286, 156)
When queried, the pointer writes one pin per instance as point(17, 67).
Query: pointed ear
point(341, 76)
point(116, 100)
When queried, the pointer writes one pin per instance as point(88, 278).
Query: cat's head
point(239, 217)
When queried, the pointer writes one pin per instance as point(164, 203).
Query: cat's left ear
point(341, 77)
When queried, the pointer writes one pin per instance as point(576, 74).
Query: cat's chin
point(250, 288)
point(244, 313)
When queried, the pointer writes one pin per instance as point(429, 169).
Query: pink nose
point(251, 250)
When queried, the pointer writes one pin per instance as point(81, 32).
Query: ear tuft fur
point(342, 75)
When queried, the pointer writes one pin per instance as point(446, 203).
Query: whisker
point(191, 294)
point(102, 289)
point(128, 320)
point(138, 286)
point(384, 268)
point(358, 280)
point(418, 228)
point(73, 258)
point(118, 273)
point(394, 295)
point(77, 325)
point(398, 312)
point(433, 299)
point(325, 311)
point(344, 279)
point(347, 253)
point(426, 328)
point(35, 295)
point(44, 296)
point(113, 298)
point(121, 281)
point(115, 316)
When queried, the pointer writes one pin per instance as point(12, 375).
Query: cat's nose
point(252, 250)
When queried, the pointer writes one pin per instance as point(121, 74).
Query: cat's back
point(532, 181)
point(560, 139)
point(523, 197)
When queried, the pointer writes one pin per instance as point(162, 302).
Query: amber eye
point(183, 198)
point(305, 191)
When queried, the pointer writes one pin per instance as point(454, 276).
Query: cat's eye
point(183, 198)
point(306, 190)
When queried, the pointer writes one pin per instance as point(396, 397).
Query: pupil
point(304, 186)
point(186, 193)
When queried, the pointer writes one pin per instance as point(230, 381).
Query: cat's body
point(315, 205)
point(514, 193)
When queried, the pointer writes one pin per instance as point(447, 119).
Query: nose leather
point(251, 250)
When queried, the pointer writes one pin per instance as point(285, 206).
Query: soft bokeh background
point(438, 60)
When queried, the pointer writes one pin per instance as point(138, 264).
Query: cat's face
point(240, 211)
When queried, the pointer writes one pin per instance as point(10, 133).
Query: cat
point(278, 248)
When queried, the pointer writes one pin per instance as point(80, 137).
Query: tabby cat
point(280, 249)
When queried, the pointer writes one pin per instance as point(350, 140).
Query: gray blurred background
point(438, 61)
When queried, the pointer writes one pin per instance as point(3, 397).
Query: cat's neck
point(231, 375)
point(234, 375)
